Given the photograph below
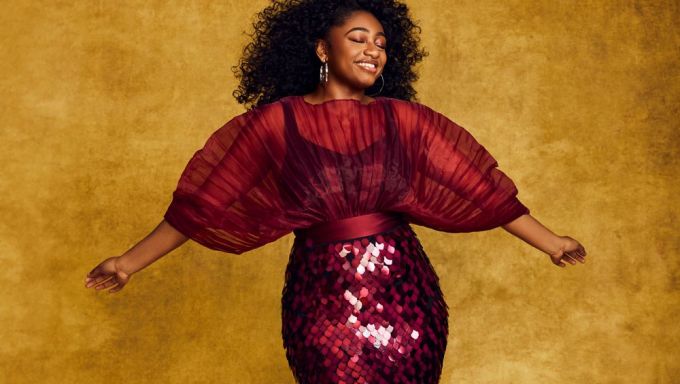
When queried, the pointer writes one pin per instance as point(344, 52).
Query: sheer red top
point(291, 164)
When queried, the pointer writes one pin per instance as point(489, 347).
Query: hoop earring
point(381, 86)
point(323, 73)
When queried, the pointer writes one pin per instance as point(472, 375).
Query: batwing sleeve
point(457, 185)
point(225, 198)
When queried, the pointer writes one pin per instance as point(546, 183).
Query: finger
point(110, 284)
point(98, 281)
point(567, 257)
point(116, 289)
point(559, 263)
point(93, 282)
point(93, 272)
point(111, 281)
point(104, 285)
point(576, 257)
point(581, 251)
point(90, 277)
point(580, 259)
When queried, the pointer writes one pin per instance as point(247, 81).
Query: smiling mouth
point(367, 67)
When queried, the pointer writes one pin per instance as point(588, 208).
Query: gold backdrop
point(104, 102)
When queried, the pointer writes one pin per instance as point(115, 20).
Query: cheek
point(347, 58)
point(351, 52)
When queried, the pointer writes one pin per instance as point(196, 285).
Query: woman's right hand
point(570, 251)
point(107, 274)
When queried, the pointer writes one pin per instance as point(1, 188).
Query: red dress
point(361, 302)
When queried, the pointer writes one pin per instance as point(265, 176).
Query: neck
point(332, 92)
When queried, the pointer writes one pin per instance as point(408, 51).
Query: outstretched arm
point(114, 272)
point(559, 248)
point(163, 239)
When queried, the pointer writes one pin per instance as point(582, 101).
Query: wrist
point(555, 245)
point(123, 264)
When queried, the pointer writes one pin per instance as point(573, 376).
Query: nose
point(372, 50)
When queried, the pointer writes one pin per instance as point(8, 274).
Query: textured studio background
point(104, 102)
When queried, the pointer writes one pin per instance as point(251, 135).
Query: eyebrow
point(365, 30)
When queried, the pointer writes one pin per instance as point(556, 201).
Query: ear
point(322, 49)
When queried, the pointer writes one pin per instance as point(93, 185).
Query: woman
point(347, 173)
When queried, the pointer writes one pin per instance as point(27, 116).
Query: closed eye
point(361, 41)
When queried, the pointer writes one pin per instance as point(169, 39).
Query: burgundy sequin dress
point(361, 302)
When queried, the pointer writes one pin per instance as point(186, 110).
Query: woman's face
point(360, 39)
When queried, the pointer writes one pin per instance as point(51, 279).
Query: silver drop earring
point(323, 73)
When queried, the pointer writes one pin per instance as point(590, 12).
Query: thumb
point(122, 275)
point(556, 258)
point(120, 271)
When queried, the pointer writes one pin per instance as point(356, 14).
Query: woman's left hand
point(570, 251)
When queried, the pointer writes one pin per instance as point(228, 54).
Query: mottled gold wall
point(103, 103)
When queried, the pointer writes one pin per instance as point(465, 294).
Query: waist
point(350, 227)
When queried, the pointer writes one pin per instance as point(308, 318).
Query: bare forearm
point(527, 228)
point(163, 239)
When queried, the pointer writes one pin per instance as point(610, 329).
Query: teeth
point(368, 65)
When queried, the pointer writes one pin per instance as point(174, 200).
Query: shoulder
point(270, 112)
point(412, 112)
point(266, 121)
point(261, 123)
point(408, 106)
point(414, 117)
point(263, 119)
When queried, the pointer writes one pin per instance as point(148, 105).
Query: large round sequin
point(364, 310)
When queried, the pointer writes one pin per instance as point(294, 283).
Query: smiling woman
point(353, 56)
point(299, 41)
point(347, 173)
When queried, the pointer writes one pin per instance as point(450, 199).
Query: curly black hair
point(281, 59)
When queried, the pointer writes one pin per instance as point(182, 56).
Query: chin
point(359, 84)
point(367, 79)
point(366, 84)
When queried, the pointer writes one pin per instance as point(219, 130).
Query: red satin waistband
point(351, 227)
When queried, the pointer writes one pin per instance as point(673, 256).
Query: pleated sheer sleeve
point(457, 186)
point(226, 196)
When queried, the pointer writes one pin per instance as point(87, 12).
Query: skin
point(346, 81)
point(345, 45)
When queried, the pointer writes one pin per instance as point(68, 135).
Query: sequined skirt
point(361, 303)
